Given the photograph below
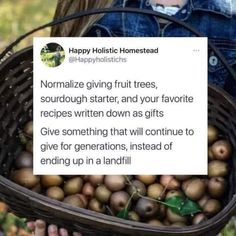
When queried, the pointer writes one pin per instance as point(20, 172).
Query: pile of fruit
point(165, 200)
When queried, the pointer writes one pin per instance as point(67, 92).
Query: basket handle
point(127, 10)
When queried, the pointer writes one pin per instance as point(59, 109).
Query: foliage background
point(20, 16)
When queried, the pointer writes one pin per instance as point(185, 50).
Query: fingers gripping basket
point(16, 104)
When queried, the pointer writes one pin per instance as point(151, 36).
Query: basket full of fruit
point(101, 205)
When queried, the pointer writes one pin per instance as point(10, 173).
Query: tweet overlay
point(120, 106)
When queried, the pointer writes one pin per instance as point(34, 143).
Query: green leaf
point(175, 204)
point(21, 223)
point(182, 206)
point(190, 208)
point(124, 214)
point(8, 222)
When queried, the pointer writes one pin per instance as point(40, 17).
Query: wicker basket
point(16, 106)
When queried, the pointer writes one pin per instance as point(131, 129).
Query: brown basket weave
point(16, 105)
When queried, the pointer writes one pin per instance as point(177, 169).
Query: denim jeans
point(216, 19)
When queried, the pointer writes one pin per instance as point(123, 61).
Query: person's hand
point(40, 229)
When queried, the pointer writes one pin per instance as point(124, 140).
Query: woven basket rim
point(14, 55)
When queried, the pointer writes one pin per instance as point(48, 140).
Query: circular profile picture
point(52, 54)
